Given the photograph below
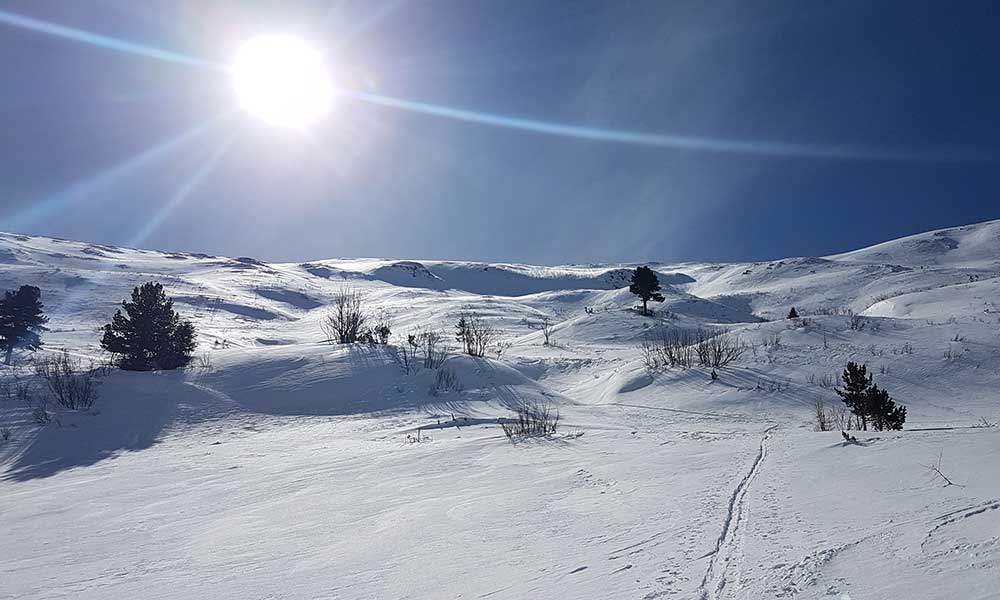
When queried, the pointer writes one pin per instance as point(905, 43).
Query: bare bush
point(72, 384)
point(429, 346)
point(830, 418)
point(203, 361)
point(445, 382)
point(406, 354)
point(833, 311)
point(6, 433)
point(824, 420)
point(717, 349)
point(857, 322)
point(501, 346)
point(668, 348)
point(377, 330)
point(17, 388)
point(546, 328)
point(475, 334)
point(346, 320)
point(839, 417)
point(531, 419)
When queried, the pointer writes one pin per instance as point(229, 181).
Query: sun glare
point(282, 80)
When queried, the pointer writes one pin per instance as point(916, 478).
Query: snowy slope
point(970, 247)
point(279, 466)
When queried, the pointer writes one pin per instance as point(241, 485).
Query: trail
point(726, 562)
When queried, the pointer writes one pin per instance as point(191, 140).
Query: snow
point(286, 468)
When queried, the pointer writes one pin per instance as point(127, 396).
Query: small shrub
point(717, 350)
point(531, 419)
point(405, 355)
point(430, 346)
point(6, 433)
point(546, 327)
point(40, 416)
point(445, 382)
point(669, 348)
point(474, 334)
point(345, 323)
point(70, 383)
point(500, 347)
point(824, 421)
point(204, 361)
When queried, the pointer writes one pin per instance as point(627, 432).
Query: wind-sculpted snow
point(970, 247)
point(281, 466)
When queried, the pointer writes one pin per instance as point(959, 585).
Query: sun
point(282, 80)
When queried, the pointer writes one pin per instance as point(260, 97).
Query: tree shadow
point(131, 414)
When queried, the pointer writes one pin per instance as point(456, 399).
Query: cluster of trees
point(870, 404)
point(144, 334)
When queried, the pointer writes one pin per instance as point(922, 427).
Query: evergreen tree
point(869, 403)
point(884, 413)
point(646, 285)
point(149, 334)
point(21, 320)
point(792, 314)
point(855, 393)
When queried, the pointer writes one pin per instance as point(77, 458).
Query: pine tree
point(885, 414)
point(149, 334)
point(868, 402)
point(463, 333)
point(21, 320)
point(792, 314)
point(646, 285)
point(855, 393)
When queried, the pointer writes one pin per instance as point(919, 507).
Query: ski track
point(727, 556)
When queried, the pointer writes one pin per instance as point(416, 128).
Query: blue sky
point(782, 128)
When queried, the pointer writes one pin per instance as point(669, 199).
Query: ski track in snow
point(726, 562)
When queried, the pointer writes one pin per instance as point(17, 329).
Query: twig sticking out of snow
point(935, 471)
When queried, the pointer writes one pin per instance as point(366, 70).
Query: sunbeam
point(103, 41)
point(765, 148)
point(52, 204)
point(661, 140)
point(377, 15)
point(184, 191)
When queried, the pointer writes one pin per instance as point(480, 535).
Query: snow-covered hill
point(279, 466)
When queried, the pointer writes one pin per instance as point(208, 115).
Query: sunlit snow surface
point(283, 470)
